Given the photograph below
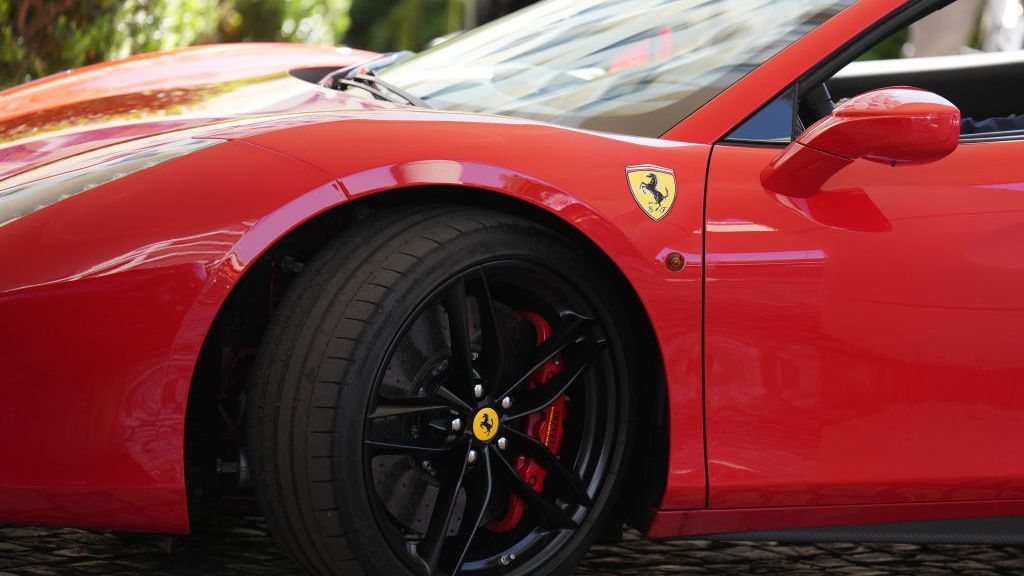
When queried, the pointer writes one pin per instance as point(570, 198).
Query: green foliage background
point(40, 37)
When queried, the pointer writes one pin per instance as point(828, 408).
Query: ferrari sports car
point(687, 265)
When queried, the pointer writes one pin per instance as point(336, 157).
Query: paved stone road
point(242, 547)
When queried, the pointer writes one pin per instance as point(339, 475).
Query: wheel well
point(215, 461)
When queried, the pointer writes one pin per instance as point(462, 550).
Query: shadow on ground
point(241, 545)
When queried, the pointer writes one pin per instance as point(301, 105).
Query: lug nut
point(506, 403)
point(471, 457)
point(456, 425)
point(502, 443)
point(478, 390)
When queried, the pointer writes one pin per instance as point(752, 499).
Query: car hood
point(98, 106)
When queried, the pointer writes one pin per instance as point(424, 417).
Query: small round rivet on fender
point(675, 262)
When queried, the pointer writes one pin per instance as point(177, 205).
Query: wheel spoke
point(575, 327)
point(493, 352)
point(432, 544)
point(479, 486)
point(382, 446)
point(461, 340)
point(553, 464)
point(406, 407)
point(453, 399)
point(549, 513)
point(539, 398)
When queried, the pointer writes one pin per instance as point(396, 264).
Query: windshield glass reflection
point(628, 66)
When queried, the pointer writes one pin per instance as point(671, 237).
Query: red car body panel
point(883, 363)
point(106, 104)
point(168, 70)
point(102, 327)
point(107, 296)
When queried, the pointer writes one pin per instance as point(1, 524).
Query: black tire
point(373, 308)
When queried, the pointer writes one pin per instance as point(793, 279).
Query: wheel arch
point(251, 287)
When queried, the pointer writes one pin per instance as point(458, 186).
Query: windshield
point(629, 66)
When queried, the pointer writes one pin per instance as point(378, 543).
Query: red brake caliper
point(545, 426)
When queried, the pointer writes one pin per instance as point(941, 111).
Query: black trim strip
point(1008, 136)
point(756, 143)
point(1004, 530)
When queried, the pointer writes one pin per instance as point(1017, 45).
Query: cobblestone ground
point(242, 546)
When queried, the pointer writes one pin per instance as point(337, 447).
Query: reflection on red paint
point(858, 349)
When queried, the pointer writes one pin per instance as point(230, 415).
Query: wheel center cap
point(485, 424)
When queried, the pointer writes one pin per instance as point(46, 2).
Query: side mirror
point(891, 125)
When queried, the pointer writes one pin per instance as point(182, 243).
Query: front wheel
point(443, 391)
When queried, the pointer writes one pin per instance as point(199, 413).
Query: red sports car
point(682, 264)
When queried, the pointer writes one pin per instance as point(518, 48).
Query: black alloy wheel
point(444, 391)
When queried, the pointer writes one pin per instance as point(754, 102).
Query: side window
point(772, 124)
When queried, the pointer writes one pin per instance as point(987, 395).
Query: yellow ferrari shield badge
point(485, 424)
point(653, 188)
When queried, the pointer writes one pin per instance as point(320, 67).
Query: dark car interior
point(976, 83)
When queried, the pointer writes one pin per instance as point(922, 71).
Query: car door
point(866, 344)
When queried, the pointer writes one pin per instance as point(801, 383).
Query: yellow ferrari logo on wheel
point(653, 188)
point(485, 424)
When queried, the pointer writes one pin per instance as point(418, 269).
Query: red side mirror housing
point(891, 125)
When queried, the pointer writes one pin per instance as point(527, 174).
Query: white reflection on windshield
point(629, 66)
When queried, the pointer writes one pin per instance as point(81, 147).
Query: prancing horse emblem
point(485, 424)
point(653, 188)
